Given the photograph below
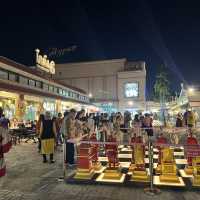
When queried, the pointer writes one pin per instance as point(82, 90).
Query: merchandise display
point(196, 171)
point(137, 168)
point(112, 172)
point(168, 166)
point(97, 166)
point(84, 160)
point(192, 145)
point(114, 163)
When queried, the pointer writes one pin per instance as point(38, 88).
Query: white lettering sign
point(44, 64)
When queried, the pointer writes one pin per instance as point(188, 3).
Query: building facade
point(113, 85)
point(25, 92)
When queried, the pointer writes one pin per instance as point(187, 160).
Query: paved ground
point(29, 179)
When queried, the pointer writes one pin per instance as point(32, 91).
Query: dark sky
point(157, 32)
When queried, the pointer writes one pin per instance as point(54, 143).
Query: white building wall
point(104, 80)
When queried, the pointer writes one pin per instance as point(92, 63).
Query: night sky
point(155, 31)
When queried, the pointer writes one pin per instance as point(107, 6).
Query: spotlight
point(190, 89)
point(130, 103)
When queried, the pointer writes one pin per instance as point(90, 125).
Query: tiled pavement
point(29, 179)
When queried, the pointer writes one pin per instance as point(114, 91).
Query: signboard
point(44, 64)
point(192, 150)
point(131, 90)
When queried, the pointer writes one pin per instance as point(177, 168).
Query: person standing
point(179, 120)
point(196, 116)
point(59, 122)
point(117, 128)
point(38, 126)
point(190, 119)
point(147, 124)
point(5, 145)
point(97, 120)
point(127, 119)
point(81, 115)
point(4, 122)
point(185, 116)
point(48, 136)
point(136, 125)
point(69, 133)
point(90, 123)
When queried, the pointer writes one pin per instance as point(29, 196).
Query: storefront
point(107, 107)
point(25, 93)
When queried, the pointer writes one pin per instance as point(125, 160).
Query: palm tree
point(161, 91)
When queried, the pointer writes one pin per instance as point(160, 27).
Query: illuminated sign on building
point(131, 90)
point(44, 64)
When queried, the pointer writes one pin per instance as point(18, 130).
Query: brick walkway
point(29, 179)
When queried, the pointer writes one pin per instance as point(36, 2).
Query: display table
point(103, 159)
point(131, 166)
point(124, 164)
point(155, 156)
point(125, 151)
point(100, 171)
point(184, 175)
point(125, 157)
point(155, 151)
point(101, 178)
point(156, 181)
point(179, 154)
point(181, 161)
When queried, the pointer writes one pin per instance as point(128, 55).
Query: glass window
point(38, 84)
point(71, 94)
point(46, 87)
point(55, 89)
point(3, 74)
point(60, 91)
point(31, 83)
point(75, 95)
point(12, 76)
point(23, 80)
point(51, 88)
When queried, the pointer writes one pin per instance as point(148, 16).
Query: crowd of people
point(188, 119)
point(53, 131)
